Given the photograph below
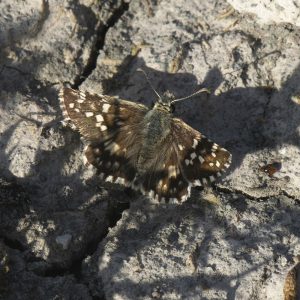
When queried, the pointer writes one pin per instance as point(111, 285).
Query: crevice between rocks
point(13, 244)
point(227, 190)
point(114, 214)
point(44, 14)
point(101, 32)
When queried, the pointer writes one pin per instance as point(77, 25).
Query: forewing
point(99, 117)
point(111, 126)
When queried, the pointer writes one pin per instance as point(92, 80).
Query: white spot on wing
point(99, 118)
point(113, 147)
point(85, 161)
point(89, 114)
point(184, 198)
point(172, 171)
point(120, 180)
point(197, 182)
point(61, 95)
point(109, 179)
point(215, 146)
point(103, 127)
point(63, 123)
point(71, 105)
point(105, 107)
point(201, 159)
point(193, 155)
point(151, 194)
point(82, 97)
point(195, 143)
point(187, 162)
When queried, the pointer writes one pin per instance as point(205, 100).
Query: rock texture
point(64, 234)
point(278, 11)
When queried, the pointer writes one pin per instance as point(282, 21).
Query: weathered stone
point(55, 212)
point(278, 11)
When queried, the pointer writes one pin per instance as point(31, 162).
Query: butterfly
point(144, 148)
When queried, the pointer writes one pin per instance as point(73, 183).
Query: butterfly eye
point(152, 104)
point(172, 108)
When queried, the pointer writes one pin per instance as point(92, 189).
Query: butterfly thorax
point(157, 126)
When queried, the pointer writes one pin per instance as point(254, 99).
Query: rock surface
point(62, 231)
point(278, 11)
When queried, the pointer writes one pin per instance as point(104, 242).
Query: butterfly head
point(165, 102)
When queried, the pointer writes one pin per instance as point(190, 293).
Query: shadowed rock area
point(65, 234)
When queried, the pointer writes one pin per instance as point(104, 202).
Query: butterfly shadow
point(243, 120)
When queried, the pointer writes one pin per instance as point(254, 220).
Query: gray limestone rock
point(62, 230)
point(267, 11)
point(241, 249)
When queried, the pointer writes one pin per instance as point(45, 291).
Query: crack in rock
point(101, 32)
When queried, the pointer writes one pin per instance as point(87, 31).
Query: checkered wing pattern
point(115, 131)
point(112, 129)
point(201, 159)
point(100, 117)
point(187, 159)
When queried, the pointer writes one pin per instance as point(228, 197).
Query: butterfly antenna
point(150, 83)
point(204, 90)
